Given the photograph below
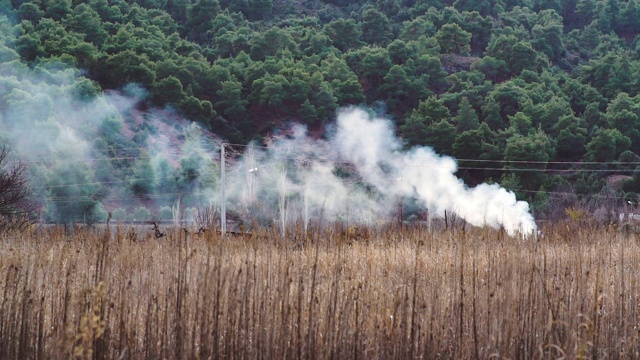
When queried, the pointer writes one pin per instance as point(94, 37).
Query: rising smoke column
point(378, 156)
point(301, 169)
point(296, 177)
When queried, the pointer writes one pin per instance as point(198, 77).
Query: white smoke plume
point(358, 175)
point(371, 145)
point(384, 172)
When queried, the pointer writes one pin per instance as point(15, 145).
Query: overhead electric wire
point(546, 170)
point(73, 199)
point(272, 166)
point(177, 152)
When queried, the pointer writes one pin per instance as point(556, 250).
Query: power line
point(276, 167)
point(553, 162)
point(73, 199)
point(177, 152)
point(250, 145)
point(285, 163)
point(76, 198)
point(546, 170)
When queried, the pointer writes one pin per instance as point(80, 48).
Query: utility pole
point(400, 179)
point(223, 199)
point(283, 201)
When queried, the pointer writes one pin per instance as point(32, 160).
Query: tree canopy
point(498, 81)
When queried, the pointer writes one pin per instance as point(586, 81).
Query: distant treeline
point(520, 91)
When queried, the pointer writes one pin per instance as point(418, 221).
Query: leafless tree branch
point(15, 208)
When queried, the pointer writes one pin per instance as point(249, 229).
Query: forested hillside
point(541, 96)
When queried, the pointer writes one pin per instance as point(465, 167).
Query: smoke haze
point(94, 154)
point(382, 173)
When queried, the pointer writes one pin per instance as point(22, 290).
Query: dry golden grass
point(463, 294)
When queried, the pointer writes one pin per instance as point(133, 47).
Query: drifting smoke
point(378, 173)
point(420, 173)
point(93, 152)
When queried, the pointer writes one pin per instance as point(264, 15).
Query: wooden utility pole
point(223, 200)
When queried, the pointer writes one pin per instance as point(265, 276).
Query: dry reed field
point(395, 295)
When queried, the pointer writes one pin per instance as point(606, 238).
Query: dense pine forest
point(540, 96)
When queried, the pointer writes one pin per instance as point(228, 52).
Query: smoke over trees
point(102, 71)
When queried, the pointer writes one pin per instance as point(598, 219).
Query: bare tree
point(15, 208)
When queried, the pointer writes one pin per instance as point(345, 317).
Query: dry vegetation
point(415, 294)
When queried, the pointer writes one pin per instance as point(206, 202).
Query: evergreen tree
point(57, 9)
point(491, 113)
point(453, 40)
point(520, 124)
point(200, 19)
point(231, 103)
point(607, 145)
point(396, 89)
point(344, 33)
point(548, 33)
point(376, 28)
point(466, 119)
point(441, 137)
point(571, 137)
point(431, 111)
point(530, 152)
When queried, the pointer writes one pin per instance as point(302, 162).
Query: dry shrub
point(380, 294)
